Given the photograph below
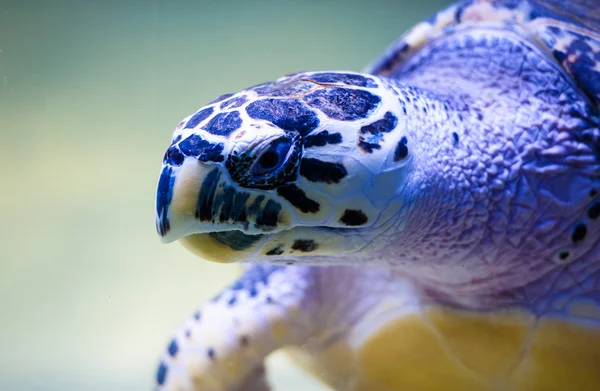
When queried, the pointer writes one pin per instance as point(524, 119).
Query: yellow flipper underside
point(450, 350)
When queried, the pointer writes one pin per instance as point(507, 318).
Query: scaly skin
point(491, 202)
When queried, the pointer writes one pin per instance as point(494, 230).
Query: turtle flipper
point(222, 347)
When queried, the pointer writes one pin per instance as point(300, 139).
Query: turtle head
point(311, 164)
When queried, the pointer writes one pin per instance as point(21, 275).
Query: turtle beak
point(197, 204)
point(178, 198)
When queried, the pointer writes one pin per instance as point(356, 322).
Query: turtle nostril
point(174, 157)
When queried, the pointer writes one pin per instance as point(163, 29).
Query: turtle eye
point(272, 158)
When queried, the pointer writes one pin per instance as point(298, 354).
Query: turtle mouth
point(236, 240)
point(224, 246)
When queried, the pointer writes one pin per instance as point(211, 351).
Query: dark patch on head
point(455, 137)
point(176, 139)
point(594, 211)
point(288, 114)
point(204, 205)
point(173, 348)
point(321, 139)
point(371, 134)
point(304, 245)
point(232, 301)
point(234, 103)
point(563, 255)
point(211, 353)
point(316, 170)
point(173, 157)
point(578, 233)
point(277, 250)
point(401, 151)
point(235, 240)
point(343, 104)
point(164, 194)
point(269, 216)
point(161, 374)
point(354, 217)
point(223, 124)
point(247, 169)
point(201, 149)
point(345, 78)
point(197, 315)
point(244, 341)
point(220, 98)
point(199, 117)
point(297, 197)
point(284, 88)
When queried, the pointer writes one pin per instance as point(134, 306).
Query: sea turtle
point(429, 224)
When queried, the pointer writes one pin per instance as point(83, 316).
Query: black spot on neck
point(579, 232)
point(316, 170)
point(401, 151)
point(563, 255)
point(594, 211)
point(354, 217)
point(304, 245)
point(455, 137)
point(371, 134)
point(297, 197)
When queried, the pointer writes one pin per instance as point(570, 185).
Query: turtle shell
point(569, 31)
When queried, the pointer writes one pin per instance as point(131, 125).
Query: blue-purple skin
point(499, 211)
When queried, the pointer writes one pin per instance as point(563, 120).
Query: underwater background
point(90, 92)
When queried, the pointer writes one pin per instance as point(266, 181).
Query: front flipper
point(222, 347)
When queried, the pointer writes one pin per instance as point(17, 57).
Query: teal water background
point(90, 92)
